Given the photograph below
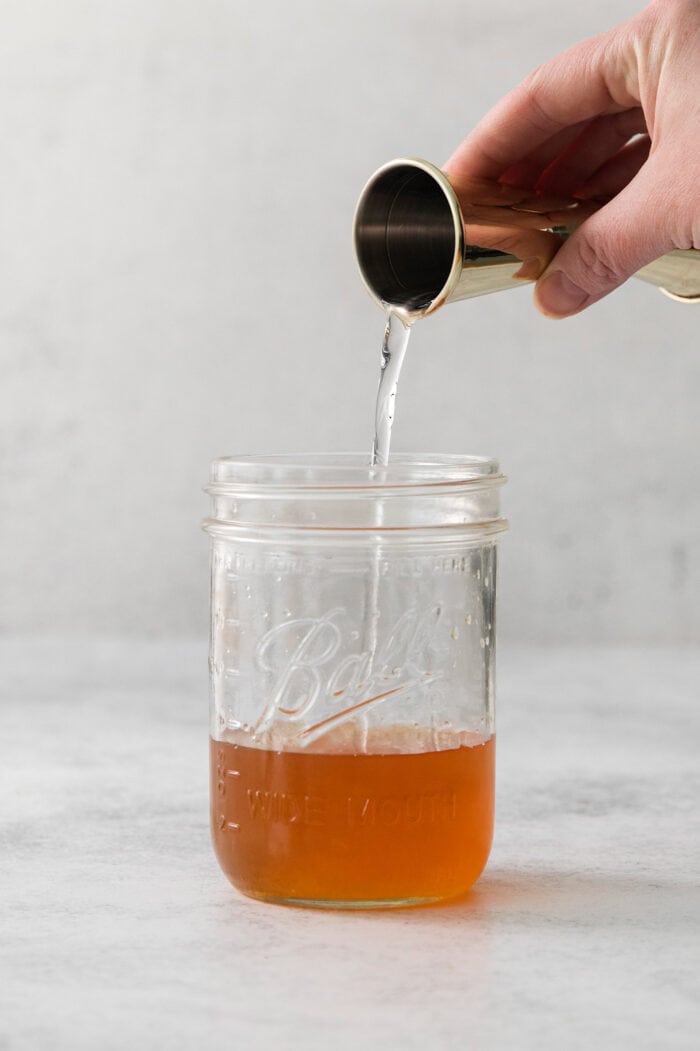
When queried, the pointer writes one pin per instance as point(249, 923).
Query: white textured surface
point(119, 931)
point(177, 282)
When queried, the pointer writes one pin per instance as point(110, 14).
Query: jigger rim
point(439, 177)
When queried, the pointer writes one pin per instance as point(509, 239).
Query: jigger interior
point(408, 237)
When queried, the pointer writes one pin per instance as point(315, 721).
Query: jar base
point(350, 905)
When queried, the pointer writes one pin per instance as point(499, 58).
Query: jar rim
point(350, 471)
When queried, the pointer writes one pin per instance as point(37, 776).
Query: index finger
point(590, 78)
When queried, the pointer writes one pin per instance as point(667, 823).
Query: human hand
point(616, 116)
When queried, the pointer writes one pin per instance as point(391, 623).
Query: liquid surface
point(338, 828)
point(394, 344)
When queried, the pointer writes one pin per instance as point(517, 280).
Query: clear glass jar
point(352, 676)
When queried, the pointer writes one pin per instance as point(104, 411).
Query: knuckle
point(681, 210)
point(532, 87)
point(669, 13)
point(598, 269)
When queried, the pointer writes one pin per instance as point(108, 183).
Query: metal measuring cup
point(422, 240)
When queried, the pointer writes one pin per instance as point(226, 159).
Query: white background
point(177, 184)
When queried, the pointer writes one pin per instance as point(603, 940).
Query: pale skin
point(616, 116)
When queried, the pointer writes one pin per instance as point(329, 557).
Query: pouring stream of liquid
point(396, 336)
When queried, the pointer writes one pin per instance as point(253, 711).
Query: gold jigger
point(422, 241)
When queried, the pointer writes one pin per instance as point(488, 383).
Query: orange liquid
point(340, 828)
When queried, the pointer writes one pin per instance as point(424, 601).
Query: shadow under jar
point(352, 676)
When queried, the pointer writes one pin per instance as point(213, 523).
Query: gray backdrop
point(177, 183)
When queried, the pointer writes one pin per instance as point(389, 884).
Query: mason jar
point(352, 676)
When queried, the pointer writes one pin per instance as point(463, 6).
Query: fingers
point(527, 171)
point(595, 77)
point(617, 172)
point(615, 242)
point(561, 164)
point(598, 141)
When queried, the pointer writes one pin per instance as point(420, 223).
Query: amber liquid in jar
point(335, 828)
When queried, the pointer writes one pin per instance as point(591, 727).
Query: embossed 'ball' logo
point(311, 669)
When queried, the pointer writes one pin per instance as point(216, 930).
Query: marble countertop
point(119, 931)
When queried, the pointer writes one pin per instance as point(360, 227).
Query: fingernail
point(558, 296)
point(531, 269)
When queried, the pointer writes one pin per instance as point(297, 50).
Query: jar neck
point(341, 493)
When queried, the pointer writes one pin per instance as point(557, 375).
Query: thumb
point(632, 230)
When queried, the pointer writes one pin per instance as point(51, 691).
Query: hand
point(616, 116)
